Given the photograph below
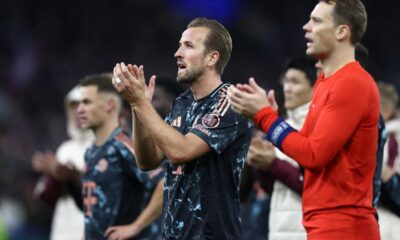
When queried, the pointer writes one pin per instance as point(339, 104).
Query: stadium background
point(46, 46)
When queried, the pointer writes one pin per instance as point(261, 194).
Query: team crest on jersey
point(102, 165)
point(211, 120)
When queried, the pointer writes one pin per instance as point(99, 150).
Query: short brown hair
point(351, 13)
point(218, 39)
point(102, 81)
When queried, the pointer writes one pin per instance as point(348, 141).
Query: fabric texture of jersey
point(201, 197)
point(337, 147)
point(115, 190)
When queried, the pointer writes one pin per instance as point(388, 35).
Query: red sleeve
point(337, 120)
point(334, 123)
point(265, 118)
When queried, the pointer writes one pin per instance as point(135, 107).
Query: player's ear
point(212, 58)
point(342, 32)
point(111, 104)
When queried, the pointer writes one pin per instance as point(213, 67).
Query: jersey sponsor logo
point(102, 165)
point(177, 122)
point(89, 198)
point(211, 120)
point(178, 170)
point(203, 129)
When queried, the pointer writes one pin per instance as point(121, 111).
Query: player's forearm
point(153, 209)
point(171, 142)
point(308, 151)
point(148, 156)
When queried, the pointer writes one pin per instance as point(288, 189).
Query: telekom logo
point(89, 200)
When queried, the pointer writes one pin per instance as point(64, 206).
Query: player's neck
point(337, 59)
point(104, 131)
point(205, 84)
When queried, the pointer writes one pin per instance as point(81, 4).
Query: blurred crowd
point(47, 46)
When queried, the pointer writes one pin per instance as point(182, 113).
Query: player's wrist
point(278, 131)
point(136, 228)
point(261, 116)
point(139, 104)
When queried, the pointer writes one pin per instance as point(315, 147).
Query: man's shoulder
point(67, 146)
point(122, 137)
point(182, 101)
point(352, 79)
point(123, 142)
point(222, 107)
point(118, 143)
point(185, 95)
point(354, 73)
point(220, 92)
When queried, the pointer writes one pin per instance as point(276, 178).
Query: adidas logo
point(177, 122)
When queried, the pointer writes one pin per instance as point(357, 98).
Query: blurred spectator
point(120, 201)
point(3, 230)
point(60, 171)
point(255, 194)
point(389, 211)
point(49, 44)
point(12, 217)
point(285, 219)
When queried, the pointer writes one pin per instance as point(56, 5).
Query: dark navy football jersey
point(201, 199)
point(115, 190)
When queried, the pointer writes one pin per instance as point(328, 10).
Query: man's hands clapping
point(130, 82)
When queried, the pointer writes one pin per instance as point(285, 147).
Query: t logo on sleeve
point(89, 198)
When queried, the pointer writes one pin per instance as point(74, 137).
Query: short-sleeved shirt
point(201, 199)
point(115, 190)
